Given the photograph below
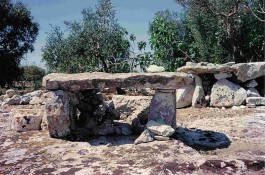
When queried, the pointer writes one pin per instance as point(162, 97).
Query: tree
point(167, 36)
point(227, 20)
point(18, 32)
point(97, 41)
point(32, 74)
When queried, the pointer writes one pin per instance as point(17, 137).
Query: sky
point(134, 15)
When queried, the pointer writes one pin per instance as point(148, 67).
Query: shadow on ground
point(202, 140)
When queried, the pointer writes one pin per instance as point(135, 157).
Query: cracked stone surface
point(35, 152)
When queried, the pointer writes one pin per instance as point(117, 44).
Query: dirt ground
point(37, 153)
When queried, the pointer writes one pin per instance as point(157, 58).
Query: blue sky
point(134, 15)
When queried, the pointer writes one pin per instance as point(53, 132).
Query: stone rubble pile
point(223, 85)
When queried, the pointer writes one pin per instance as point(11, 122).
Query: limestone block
point(227, 94)
point(145, 137)
point(10, 93)
point(257, 101)
point(160, 129)
point(220, 76)
point(184, 96)
point(26, 120)
point(163, 107)
point(251, 84)
point(56, 115)
point(252, 92)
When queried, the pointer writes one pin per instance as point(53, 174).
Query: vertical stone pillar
point(163, 107)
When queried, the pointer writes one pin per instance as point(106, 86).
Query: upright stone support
point(163, 107)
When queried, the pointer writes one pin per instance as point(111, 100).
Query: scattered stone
point(26, 120)
point(251, 84)
point(160, 129)
point(227, 94)
point(10, 93)
point(252, 92)
point(184, 96)
point(220, 76)
point(155, 68)
point(145, 137)
point(257, 101)
point(161, 138)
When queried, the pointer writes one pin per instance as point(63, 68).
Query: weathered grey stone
point(15, 100)
point(161, 138)
point(145, 137)
point(249, 71)
point(123, 128)
point(227, 94)
point(76, 82)
point(107, 128)
point(252, 92)
point(160, 129)
point(25, 99)
point(56, 116)
point(198, 95)
point(184, 96)
point(26, 119)
point(257, 101)
point(133, 109)
point(205, 68)
point(202, 140)
point(163, 107)
point(220, 76)
point(10, 93)
point(155, 68)
point(251, 84)
point(35, 100)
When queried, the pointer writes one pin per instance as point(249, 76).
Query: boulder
point(184, 96)
point(107, 128)
point(252, 92)
point(145, 137)
point(255, 101)
point(249, 71)
point(227, 94)
point(220, 76)
point(26, 120)
point(251, 84)
point(155, 68)
point(122, 128)
point(10, 93)
point(160, 129)
point(56, 116)
point(198, 95)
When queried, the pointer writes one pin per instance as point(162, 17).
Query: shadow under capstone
point(202, 140)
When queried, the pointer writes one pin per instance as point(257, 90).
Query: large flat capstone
point(100, 80)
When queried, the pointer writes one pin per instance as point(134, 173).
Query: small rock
point(251, 84)
point(161, 138)
point(184, 96)
point(10, 93)
point(160, 129)
point(145, 137)
point(252, 92)
point(155, 68)
point(257, 101)
point(15, 100)
point(222, 76)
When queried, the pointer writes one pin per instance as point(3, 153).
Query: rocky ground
point(37, 153)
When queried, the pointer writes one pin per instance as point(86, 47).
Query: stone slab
point(100, 80)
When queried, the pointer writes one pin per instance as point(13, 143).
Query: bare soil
point(36, 153)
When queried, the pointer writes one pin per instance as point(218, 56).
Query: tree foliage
point(167, 38)
point(97, 42)
point(32, 74)
point(18, 32)
point(225, 30)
